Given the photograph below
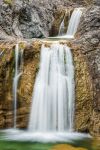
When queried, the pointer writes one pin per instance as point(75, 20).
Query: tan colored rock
point(66, 147)
point(84, 91)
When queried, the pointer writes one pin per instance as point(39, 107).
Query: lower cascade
point(53, 97)
point(52, 110)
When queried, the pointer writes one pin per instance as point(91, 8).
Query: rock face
point(6, 78)
point(89, 40)
point(83, 92)
point(90, 45)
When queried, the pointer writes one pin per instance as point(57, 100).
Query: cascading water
point(73, 23)
point(53, 98)
point(18, 73)
point(52, 111)
point(1, 53)
point(62, 29)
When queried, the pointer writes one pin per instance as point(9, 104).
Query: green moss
point(8, 2)
point(22, 45)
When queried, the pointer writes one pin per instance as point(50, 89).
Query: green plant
point(8, 2)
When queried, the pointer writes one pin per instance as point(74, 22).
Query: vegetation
point(23, 146)
point(8, 2)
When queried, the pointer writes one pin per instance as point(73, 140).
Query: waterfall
point(18, 73)
point(62, 28)
point(73, 23)
point(53, 97)
point(1, 53)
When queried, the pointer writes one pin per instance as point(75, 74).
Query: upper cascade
point(73, 24)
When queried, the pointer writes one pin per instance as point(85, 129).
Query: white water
point(18, 73)
point(53, 97)
point(46, 137)
point(62, 29)
point(1, 53)
point(73, 23)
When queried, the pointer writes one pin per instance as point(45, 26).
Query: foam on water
point(46, 137)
